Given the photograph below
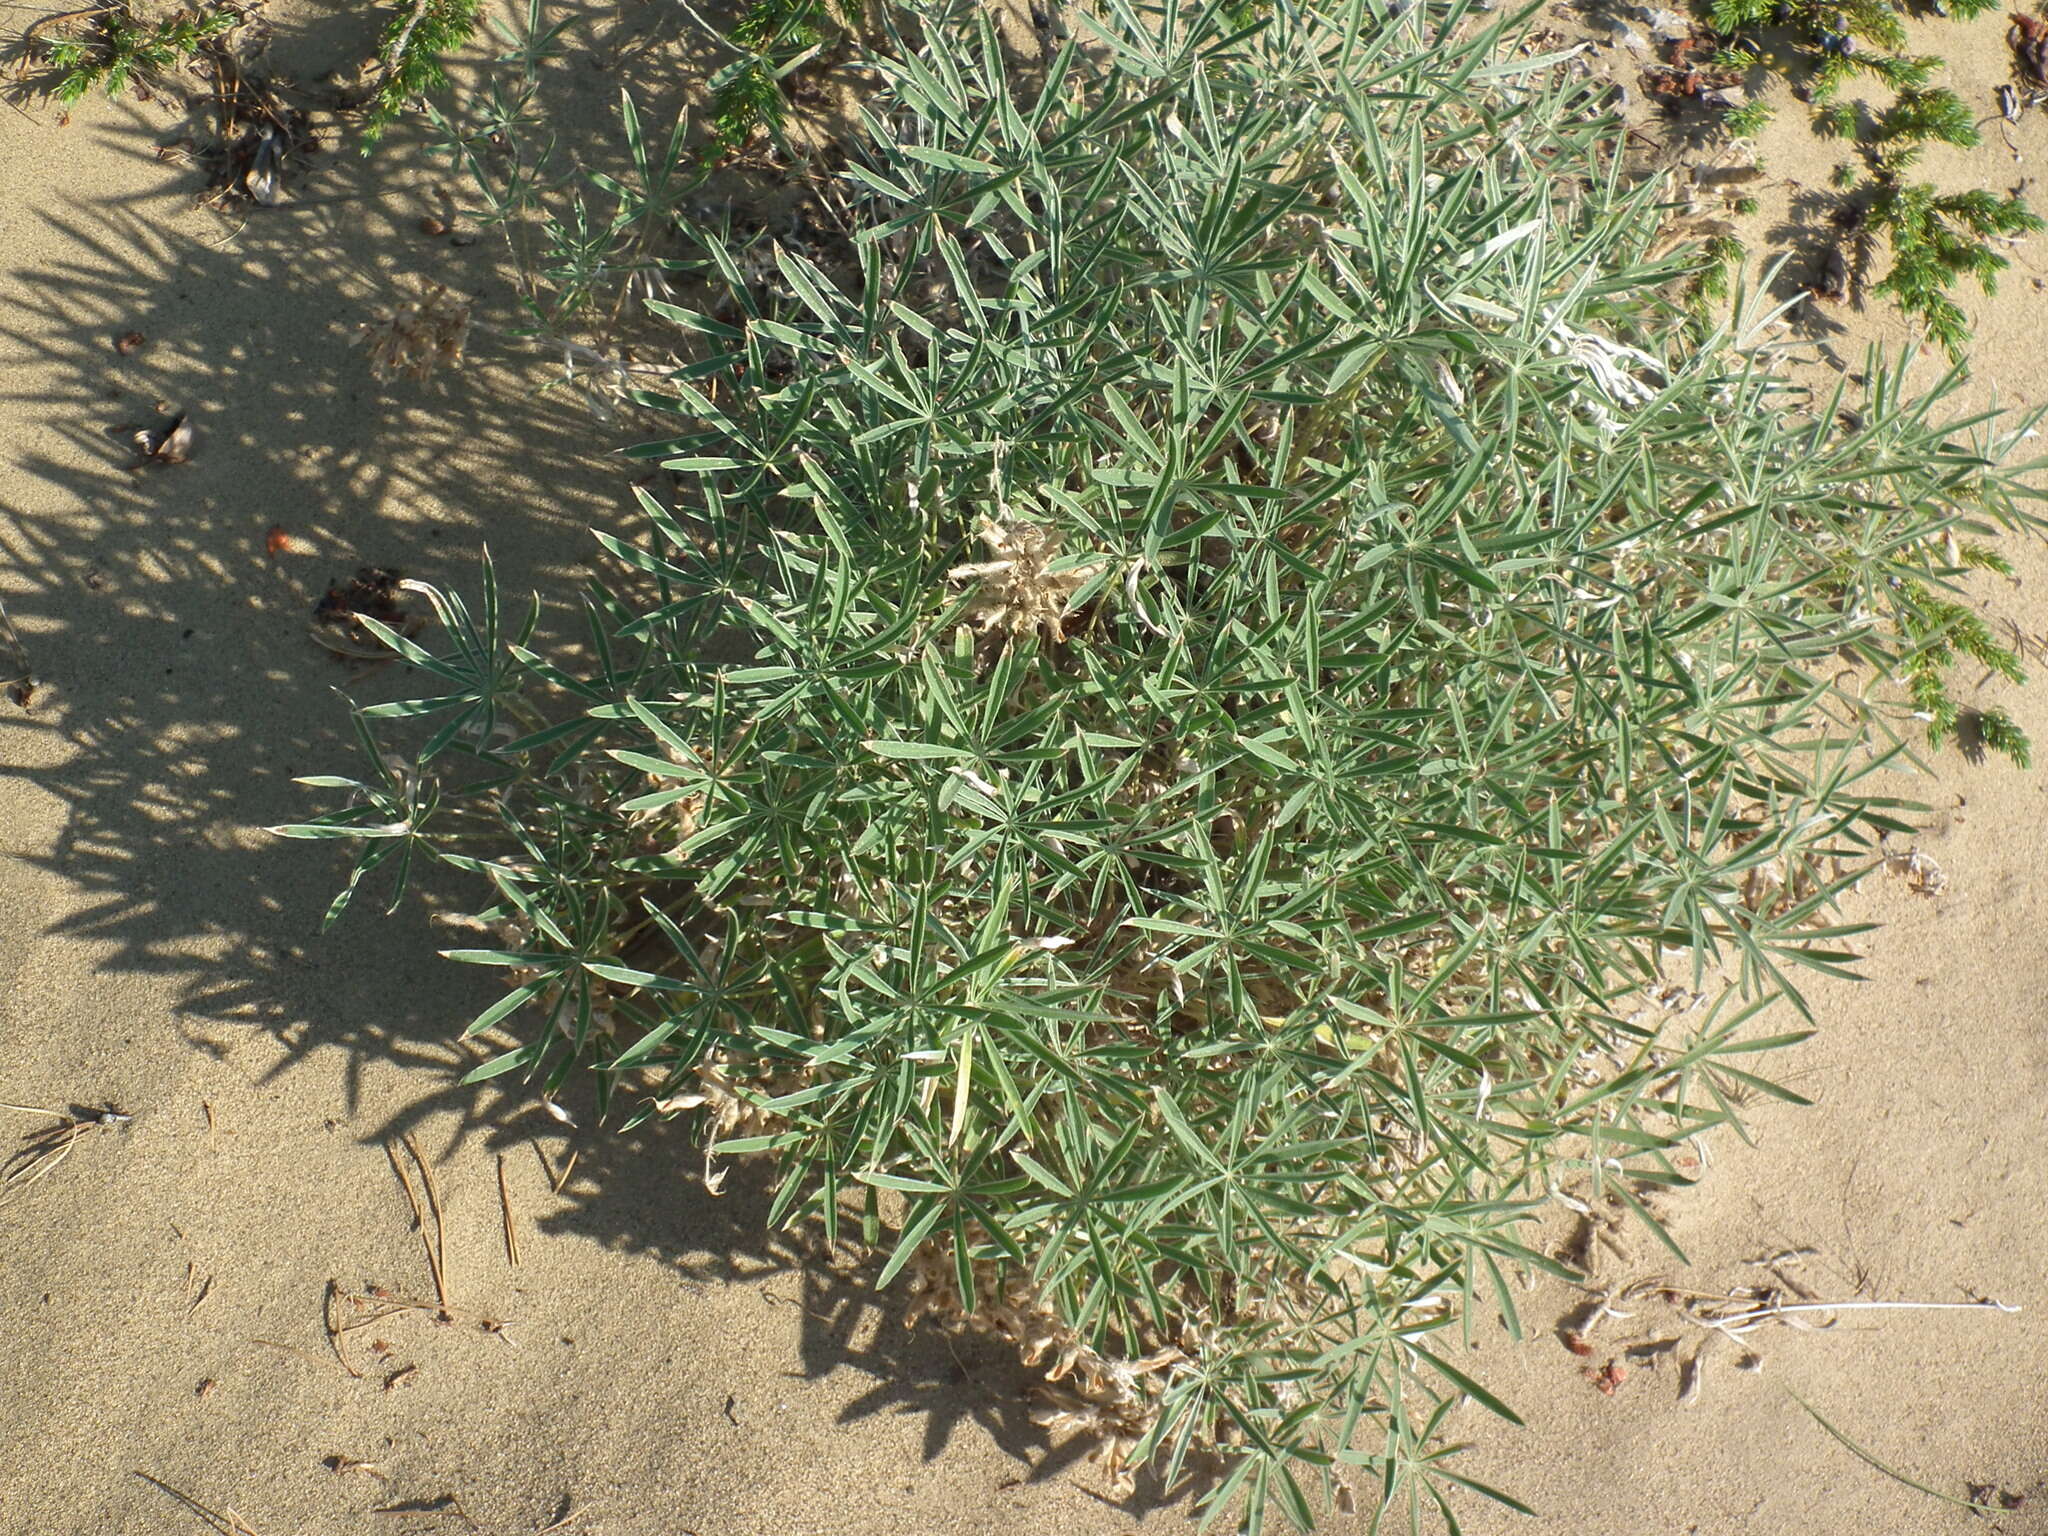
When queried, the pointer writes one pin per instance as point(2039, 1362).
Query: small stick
point(1745, 1314)
point(505, 1210)
point(1979, 1305)
point(419, 1219)
point(1744, 1322)
point(567, 1169)
point(1772, 1309)
point(397, 49)
point(440, 1253)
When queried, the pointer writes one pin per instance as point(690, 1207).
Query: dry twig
point(505, 1210)
point(435, 1241)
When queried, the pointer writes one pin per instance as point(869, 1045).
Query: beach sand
point(652, 1363)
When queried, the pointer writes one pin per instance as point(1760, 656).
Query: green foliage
point(123, 49)
point(1721, 258)
point(1748, 120)
point(773, 36)
point(583, 241)
point(1196, 665)
point(411, 55)
point(1937, 239)
point(1918, 117)
point(1940, 630)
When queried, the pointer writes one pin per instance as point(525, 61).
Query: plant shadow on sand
point(166, 610)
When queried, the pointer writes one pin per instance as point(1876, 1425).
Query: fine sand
point(652, 1365)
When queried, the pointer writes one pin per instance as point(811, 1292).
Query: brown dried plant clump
point(1020, 591)
point(2028, 39)
point(1109, 1401)
point(418, 335)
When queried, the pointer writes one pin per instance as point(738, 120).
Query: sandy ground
point(651, 1364)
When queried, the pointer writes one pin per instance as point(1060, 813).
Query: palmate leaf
point(1214, 930)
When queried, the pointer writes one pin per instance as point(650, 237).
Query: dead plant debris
point(341, 1466)
point(373, 592)
point(1607, 1379)
point(1026, 587)
point(1731, 1316)
point(43, 1150)
point(417, 335)
point(2028, 39)
point(168, 443)
point(21, 682)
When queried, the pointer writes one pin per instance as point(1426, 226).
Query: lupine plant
point(1188, 679)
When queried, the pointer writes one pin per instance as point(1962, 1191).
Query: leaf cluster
point(773, 37)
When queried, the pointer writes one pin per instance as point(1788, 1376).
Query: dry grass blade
point(505, 1211)
point(434, 1240)
point(225, 1521)
point(335, 1329)
point(43, 1149)
point(445, 1504)
point(1889, 1471)
point(289, 1349)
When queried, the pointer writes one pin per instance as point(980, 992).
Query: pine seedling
point(1749, 119)
point(411, 58)
point(1936, 240)
point(1940, 631)
point(122, 50)
point(1917, 118)
point(773, 37)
